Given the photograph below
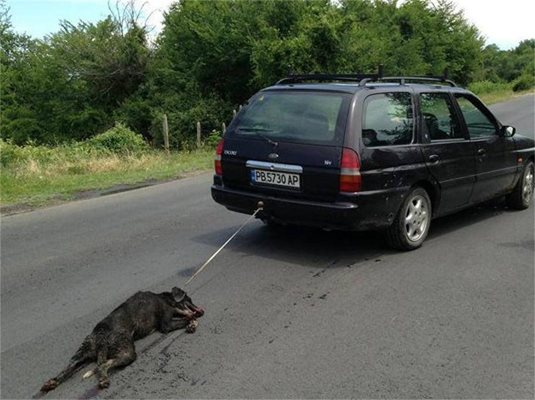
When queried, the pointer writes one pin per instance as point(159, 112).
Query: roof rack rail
point(403, 79)
point(324, 78)
point(296, 78)
point(363, 79)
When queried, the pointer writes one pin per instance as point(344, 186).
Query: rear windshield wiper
point(257, 131)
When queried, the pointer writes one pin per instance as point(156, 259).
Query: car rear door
point(287, 135)
point(496, 160)
point(388, 150)
point(447, 150)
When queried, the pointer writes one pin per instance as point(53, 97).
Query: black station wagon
point(367, 152)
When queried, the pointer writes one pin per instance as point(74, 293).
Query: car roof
point(353, 88)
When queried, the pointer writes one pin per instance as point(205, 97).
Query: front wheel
point(411, 225)
point(520, 197)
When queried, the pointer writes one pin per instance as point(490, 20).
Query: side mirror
point(507, 131)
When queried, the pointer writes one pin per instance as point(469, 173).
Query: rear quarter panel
point(391, 170)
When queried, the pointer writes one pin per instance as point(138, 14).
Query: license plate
point(275, 178)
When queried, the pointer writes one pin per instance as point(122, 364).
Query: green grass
point(36, 175)
point(491, 92)
point(501, 96)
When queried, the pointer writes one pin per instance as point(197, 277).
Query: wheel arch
point(432, 191)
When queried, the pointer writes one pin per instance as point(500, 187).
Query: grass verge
point(491, 92)
point(36, 179)
point(503, 95)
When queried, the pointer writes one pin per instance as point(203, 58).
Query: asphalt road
point(290, 313)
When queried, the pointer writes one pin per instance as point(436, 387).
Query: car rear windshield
point(294, 116)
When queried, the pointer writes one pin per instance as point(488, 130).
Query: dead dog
point(111, 343)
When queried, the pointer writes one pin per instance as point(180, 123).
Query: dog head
point(182, 302)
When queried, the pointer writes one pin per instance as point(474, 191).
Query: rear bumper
point(365, 211)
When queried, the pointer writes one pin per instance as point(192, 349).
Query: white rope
point(223, 246)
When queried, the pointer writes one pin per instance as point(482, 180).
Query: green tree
point(212, 56)
point(68, 86)
point(508, 65)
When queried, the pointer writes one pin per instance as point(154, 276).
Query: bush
point(183, 114)
point(526, 81)
point(9, 153)
point(12, 154)
point(213, 139)
point(118, 140)
point(484, 87)
point(15, 155)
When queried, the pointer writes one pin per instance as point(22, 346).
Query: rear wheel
point(411, 225)
point(520, 197)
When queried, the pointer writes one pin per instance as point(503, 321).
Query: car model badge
point(273, 156)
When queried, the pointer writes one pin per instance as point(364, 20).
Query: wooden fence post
point(198, 134)
point(165, 134)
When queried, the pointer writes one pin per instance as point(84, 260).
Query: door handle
point(481, 152)
point(434, 158)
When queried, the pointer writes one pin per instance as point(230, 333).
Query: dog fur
point(111, 343)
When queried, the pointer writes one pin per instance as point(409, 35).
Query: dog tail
point(89, 373)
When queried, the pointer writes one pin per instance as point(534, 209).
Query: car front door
point(496, 163)
point(447, 150)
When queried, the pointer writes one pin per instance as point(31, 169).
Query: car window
point(477, 123)
point(295, 116)
point(439, 119)
point(387, 119)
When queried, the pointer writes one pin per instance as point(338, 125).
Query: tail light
point(217, 159)
point(350, 180)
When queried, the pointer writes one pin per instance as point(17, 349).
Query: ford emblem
point(273, 156)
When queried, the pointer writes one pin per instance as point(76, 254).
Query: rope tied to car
point(260, 207)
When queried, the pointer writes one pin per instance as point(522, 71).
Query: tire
point(405, 235)
point(521, 196)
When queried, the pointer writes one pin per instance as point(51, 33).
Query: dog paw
point(51, 384)
point(104, 383)
point(192, 326)
point(89, 373)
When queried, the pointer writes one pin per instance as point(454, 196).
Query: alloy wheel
point(527, 187)
point(416, 218)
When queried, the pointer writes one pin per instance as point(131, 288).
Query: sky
point(504, 23)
